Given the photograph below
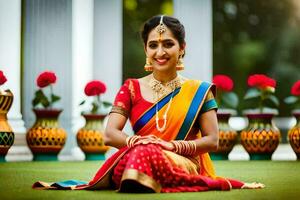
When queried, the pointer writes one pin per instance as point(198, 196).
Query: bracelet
point(183, 147)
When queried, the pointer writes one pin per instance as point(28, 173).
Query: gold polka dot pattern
point(90, 137)
point(91, 141)
point(46, 140)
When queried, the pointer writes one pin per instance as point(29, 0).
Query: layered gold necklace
point(161, 90)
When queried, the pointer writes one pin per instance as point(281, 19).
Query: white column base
point(19, 151)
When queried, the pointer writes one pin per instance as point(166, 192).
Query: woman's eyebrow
point(165, 40)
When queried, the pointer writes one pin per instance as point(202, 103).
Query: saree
point(149, 167)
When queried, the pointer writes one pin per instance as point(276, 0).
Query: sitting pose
point(174, 122)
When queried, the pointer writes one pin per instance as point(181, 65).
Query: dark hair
point(172, 23)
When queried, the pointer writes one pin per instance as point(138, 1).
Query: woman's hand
point(151, 139)
point(166, 145)
point(148, 139)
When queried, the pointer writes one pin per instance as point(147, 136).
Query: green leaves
point(95, 107)
point(291, 100)
point(252, 93)
point(273, 99)
point(106, 104)
point(97, 104)
point(230, 99)
point(40, 98)
point(261, 98)
point(54, 98)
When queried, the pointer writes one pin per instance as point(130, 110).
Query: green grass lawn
point(282, 180)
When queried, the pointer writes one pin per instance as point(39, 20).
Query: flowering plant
point(45, 80)
point(94, 89)
point(2, 78)
point(295, 98)
point(262, 92)
point(225, 98)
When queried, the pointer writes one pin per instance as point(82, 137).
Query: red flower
point(46, 78)
point(2, 78)
point(261, 81)
point(295, 90)
point(223, 82)
point(94, 88)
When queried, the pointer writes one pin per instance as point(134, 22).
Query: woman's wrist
point(183, 147)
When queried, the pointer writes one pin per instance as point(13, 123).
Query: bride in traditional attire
point(174, 122)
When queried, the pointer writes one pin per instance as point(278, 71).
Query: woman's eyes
point(153, 45)
point(166, 45)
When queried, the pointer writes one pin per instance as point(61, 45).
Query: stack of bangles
point(183, 147)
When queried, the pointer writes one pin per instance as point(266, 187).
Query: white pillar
point(108, 50)
point(108, 45)
point(82, 61)
point(10, 63)
point(196, 16)
point(48, 46)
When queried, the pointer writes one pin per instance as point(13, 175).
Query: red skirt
point(145, 168)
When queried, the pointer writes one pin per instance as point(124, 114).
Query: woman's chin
point(163, 68)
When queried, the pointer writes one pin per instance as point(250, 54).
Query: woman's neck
point(164, 77)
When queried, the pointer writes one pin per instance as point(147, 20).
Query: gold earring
point(148, 67)
point(180, 65)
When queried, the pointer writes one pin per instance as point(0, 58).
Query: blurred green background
point(249, 36)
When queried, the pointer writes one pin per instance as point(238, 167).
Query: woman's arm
point(113, 134)
point(208, 142)
point(210, 132)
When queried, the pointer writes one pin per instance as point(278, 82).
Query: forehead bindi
point(154, 36)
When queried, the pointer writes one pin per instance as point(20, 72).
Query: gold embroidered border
point(133, 174)
point(120, 110)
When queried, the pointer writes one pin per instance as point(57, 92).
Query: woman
point(174, 120)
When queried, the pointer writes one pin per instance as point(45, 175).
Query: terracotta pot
point(227, 137)
point(90, 137)
point(261, 138)
point(6, 134)
point(294, 135)
point(46, 138)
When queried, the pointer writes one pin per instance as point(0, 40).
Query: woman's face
point(163, 50)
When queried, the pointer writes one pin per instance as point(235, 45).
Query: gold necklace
point(163, 89)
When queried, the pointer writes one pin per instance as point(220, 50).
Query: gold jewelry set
point(160, 90)
point(161, 28)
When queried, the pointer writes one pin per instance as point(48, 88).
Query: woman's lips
point(161, 61)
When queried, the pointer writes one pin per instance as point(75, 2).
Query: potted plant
point(90, 137)
point(6, 134)
point(227, 102)
point(294, 132)
point(46, 138)
point(261, 137)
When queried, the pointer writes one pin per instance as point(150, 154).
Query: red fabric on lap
point(150, 160)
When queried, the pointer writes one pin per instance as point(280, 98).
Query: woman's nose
point(160, 51)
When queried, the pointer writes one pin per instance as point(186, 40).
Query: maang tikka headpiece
point(161, 28)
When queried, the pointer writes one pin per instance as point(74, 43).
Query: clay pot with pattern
point(46, 138)
point(261, 138)
point(227, 137)
point(6, 134)
point(294, 135)
point(90, 137)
